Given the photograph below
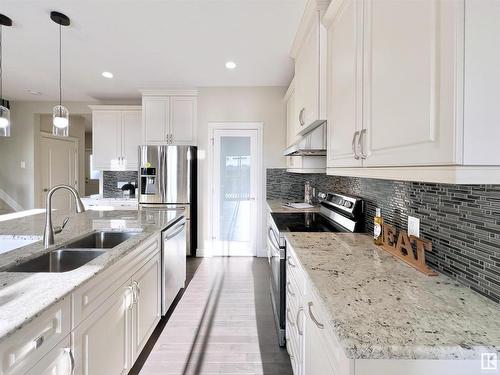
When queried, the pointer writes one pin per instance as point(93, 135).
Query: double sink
point(74, 254)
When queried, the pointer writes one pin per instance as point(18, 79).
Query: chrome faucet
point(48, 234)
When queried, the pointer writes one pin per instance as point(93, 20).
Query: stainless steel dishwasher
point(173, 274)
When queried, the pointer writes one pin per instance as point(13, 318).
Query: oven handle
point(271, 239)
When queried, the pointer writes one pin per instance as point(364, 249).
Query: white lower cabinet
point(102, 343)
point(59, 361)
point(147, 309)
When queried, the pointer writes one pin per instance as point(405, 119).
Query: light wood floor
point(223, 324)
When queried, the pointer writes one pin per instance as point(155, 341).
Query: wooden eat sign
point(409, 249)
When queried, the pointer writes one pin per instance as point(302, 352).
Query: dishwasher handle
point(180, 227)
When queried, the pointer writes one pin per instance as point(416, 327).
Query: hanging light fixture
point(4, 104)
point(60, 114)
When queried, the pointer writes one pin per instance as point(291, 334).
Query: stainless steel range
point(338, 213)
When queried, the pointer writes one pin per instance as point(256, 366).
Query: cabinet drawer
point(91, 295)
point(27, 346)
point(294, 360)
point(295, 273)
point(58, 361)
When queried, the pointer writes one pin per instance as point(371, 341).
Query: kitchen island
point(41, 304)
point(382, 316)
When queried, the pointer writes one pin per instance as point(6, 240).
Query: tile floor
point(223, 324)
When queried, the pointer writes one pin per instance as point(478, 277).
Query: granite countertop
point(23, 296)
point(276, 205)
point(380, 308)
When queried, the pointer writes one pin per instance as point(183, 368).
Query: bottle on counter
point(308, 193)
point(377, 227)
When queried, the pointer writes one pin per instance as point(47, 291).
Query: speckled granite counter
point(275, 205)
point(382, 309)
point(23, 296)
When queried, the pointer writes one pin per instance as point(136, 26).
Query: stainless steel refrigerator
point(167, 179)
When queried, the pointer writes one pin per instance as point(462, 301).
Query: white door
point(102, 343)
point(156, 118)
point(59, 165)
point(411, 58)
point(183, 120)
point(131, 138)
point(147, 311)
point(345, 85)
point(236, 195)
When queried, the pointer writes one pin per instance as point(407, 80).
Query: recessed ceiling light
point(35, 92)
point(230, 65)
point(107, 75)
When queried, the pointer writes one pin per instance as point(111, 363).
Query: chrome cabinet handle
point(38, 341)
point(137, 291)
point(353, 145)
point(71, 360)
point(301, 117)
point(132, 303)
point(301, 309)
point(318, 324)
point(288, 318)
point(361, 143)
point(290, 262)
point(288, 288)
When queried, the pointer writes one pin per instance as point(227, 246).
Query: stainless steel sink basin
point(100, 240)
point(60, 260)
point(74, 254)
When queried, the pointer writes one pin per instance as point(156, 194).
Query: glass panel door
point(234, 192)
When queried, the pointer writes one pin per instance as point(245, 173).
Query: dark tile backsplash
point(110, 180)
point(462, 221)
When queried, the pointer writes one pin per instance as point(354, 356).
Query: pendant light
point(60, 114)
point(4, 104)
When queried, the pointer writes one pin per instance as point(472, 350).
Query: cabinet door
point(410, 77)
point(316, 356)
point(292, 122)
point(156, 119)
point(106, 138)
point(307, 79)
point(183, 120)
point(59, 361)
point(344, 85)
point(102, 343)
point(147, 310)
point(131, 138)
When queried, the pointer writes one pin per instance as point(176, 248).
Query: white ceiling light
point(230, 65)
point(60, 114)
point(107, 75)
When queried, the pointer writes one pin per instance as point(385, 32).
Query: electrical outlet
point(413, 226)
point(119, 184)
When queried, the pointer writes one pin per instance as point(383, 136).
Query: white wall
point(238, 104)
point(19, 183)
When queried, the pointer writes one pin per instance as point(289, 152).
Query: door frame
point(235, 125)
point(39, 195)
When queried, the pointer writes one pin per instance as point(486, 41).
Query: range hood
point(312, 143)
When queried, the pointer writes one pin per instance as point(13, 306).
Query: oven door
point(277, 282)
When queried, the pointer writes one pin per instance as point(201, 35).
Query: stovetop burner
point(304, 222)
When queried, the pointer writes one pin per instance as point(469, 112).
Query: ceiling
point(146, 44)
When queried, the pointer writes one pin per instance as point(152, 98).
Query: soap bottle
point(377, 227)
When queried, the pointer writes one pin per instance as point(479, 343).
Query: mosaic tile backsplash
point(462, 221)
point(110, 180)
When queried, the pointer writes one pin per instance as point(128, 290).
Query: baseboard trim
point(10, 201)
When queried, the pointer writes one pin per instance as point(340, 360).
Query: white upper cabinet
point(345, 86)
point(116, 136)
point(409, 84)
point(410, 90)
point(169, 117)
point(309, 52)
